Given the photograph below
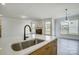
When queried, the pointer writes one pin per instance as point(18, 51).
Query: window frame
point(50, 27)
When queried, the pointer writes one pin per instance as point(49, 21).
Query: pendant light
point(66, 18)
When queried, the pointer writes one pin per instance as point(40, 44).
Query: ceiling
point(38, 10)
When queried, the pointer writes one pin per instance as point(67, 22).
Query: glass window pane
point(33, 28)
point(47, 28)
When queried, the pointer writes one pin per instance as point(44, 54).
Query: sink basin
point(26, 44)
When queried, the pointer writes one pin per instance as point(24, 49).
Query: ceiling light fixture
point(66, 18)
point(1, 15)
point(23, 16)
point(2, 3)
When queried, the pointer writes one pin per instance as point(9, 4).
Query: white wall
point(12, 31)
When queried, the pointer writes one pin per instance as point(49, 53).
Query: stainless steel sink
point(26, 44)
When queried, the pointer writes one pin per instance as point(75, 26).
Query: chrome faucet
point(25, 31)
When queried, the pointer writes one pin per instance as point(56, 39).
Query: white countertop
point(34, 47)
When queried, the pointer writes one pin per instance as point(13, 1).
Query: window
point(33, 28)
point(27, 31)
point(48, 28)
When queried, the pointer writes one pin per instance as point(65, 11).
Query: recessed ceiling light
point(1, 15)
point(2, 3)
point(23, 16)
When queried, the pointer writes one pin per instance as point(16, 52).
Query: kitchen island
point(32, 49)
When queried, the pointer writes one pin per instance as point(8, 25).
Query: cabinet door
point(54, 50)
point(40, 51)
point(46, 50)
point(49, 49)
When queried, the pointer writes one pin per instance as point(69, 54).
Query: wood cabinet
point(54, 47)
point(48, 49)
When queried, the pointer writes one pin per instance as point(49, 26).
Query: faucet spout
point(25, 31)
